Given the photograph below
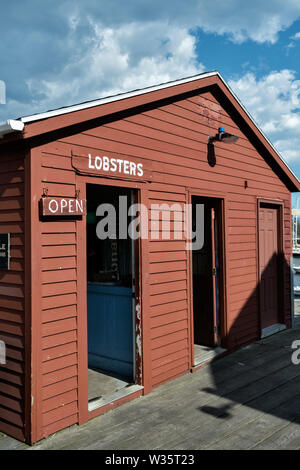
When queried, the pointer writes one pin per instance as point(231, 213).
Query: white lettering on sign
point(53, 206)
point(116, 165)
point(63, 206)
point(79, 205)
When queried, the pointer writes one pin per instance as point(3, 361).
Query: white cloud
point(292, 44)
point(91, 49)
point(115, 62)
point(296, 36)
point(274, 103)
point(260, 21)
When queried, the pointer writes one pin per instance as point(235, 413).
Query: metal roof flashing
point(111, 99)
point(9, 126)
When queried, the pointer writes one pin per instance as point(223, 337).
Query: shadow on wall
point(211, 156)
point(262, 375)
point(269, 302)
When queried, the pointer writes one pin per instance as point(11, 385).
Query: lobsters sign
point(112, 166)
point(115, 165)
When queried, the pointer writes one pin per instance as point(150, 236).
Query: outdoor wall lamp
point(223, 136)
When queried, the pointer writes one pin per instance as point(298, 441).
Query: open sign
point(57, 206)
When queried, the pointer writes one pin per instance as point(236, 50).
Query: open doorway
point(207, 268)
point(110, 298)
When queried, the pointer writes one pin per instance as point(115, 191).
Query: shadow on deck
point(248, 399)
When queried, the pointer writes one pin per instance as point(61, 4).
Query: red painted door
point(268, 261)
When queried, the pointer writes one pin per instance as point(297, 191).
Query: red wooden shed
point(88, 323)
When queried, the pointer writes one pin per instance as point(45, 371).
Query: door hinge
point(214, 271)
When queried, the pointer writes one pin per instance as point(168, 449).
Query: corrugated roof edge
point(121, 96)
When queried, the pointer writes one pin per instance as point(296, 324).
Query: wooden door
point(268, 264)
point(110, 332)
point(214, 274)
point(205, 289)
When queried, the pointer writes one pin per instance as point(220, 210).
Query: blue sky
point(60, 52)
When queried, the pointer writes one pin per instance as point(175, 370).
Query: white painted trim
point(259, 129)
point(123, 392)
point(11, 125)
point(111, 99)
point(271, 330)
point(122, 96)
point(207, 356)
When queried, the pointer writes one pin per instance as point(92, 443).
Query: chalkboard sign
point(4, 250)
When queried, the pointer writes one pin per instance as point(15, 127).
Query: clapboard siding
point(168, 301)
point(59, 379)
point(173, 138)
point(174, 167)
point(12, 314)
point(287, 244)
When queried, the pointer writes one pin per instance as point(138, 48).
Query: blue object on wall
point(110, 328)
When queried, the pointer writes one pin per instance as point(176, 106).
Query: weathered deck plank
point(249, 399)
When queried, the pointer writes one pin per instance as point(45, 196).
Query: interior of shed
point(207, 278)
point(110, 296)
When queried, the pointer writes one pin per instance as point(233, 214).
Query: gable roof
point(50, 121)
point(111, 99)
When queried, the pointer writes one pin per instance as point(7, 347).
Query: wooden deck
point(204, 354)
point(247, 400)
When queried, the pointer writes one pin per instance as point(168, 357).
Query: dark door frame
point(84, 413)
point(222, 198)
point(279, 205)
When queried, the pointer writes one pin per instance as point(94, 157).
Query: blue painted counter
point(110, 328)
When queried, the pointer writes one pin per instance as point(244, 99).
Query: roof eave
point(10, 126)
point(119, 97)
point(18, 125)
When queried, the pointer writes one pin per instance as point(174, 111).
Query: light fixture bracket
point(223, 136)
